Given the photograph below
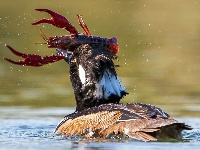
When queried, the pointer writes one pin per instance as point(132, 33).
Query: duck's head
point(93, 76)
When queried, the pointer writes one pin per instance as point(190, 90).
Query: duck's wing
point(89, 123)
point(93, 120)
point(138, 121)
point(154, 124)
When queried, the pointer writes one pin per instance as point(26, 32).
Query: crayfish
point(63, 43)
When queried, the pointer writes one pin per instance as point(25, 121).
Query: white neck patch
point(81, 74)
point(108, 85)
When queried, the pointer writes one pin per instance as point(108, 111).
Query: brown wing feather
point(142, 136)
point(120, 128)
point(89, 123)
point(148, 125)
point(139, 121)
point(145, 129)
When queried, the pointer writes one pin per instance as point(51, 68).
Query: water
point(26, 128)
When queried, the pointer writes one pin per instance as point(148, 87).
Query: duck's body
point(98, 112)
point(138, 121)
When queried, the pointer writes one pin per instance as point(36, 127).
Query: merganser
point(98, 91)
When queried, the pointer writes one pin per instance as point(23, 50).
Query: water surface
point(25, 128)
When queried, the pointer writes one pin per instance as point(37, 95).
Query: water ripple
point(26, 129)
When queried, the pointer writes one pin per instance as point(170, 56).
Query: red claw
point(57, 20)
point(33, 59)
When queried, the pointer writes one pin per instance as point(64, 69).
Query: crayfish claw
point(33, 59)
point(56, 20)
point(15, 52)
point(9, 60)
point(46, 10)
point(44, 20)
point(14, 62)
point(42, 9)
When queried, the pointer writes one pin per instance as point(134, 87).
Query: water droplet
point(11, 68)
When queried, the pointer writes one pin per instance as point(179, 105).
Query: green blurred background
point(159, 53)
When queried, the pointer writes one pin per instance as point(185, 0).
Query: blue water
point(25, 128)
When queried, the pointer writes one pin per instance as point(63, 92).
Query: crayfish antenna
point(43, 35)
point(83, 25)
point(40, 43)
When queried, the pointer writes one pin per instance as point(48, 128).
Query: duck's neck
point(94, 80)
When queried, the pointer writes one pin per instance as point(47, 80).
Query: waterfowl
point(97, 88)
point(99, 113)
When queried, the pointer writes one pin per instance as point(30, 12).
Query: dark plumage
point(98, 111)
point(95, 60)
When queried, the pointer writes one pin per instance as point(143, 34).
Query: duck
point(99, 113)
point(98, 89)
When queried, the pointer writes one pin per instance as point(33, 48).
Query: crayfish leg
point(83, 25)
